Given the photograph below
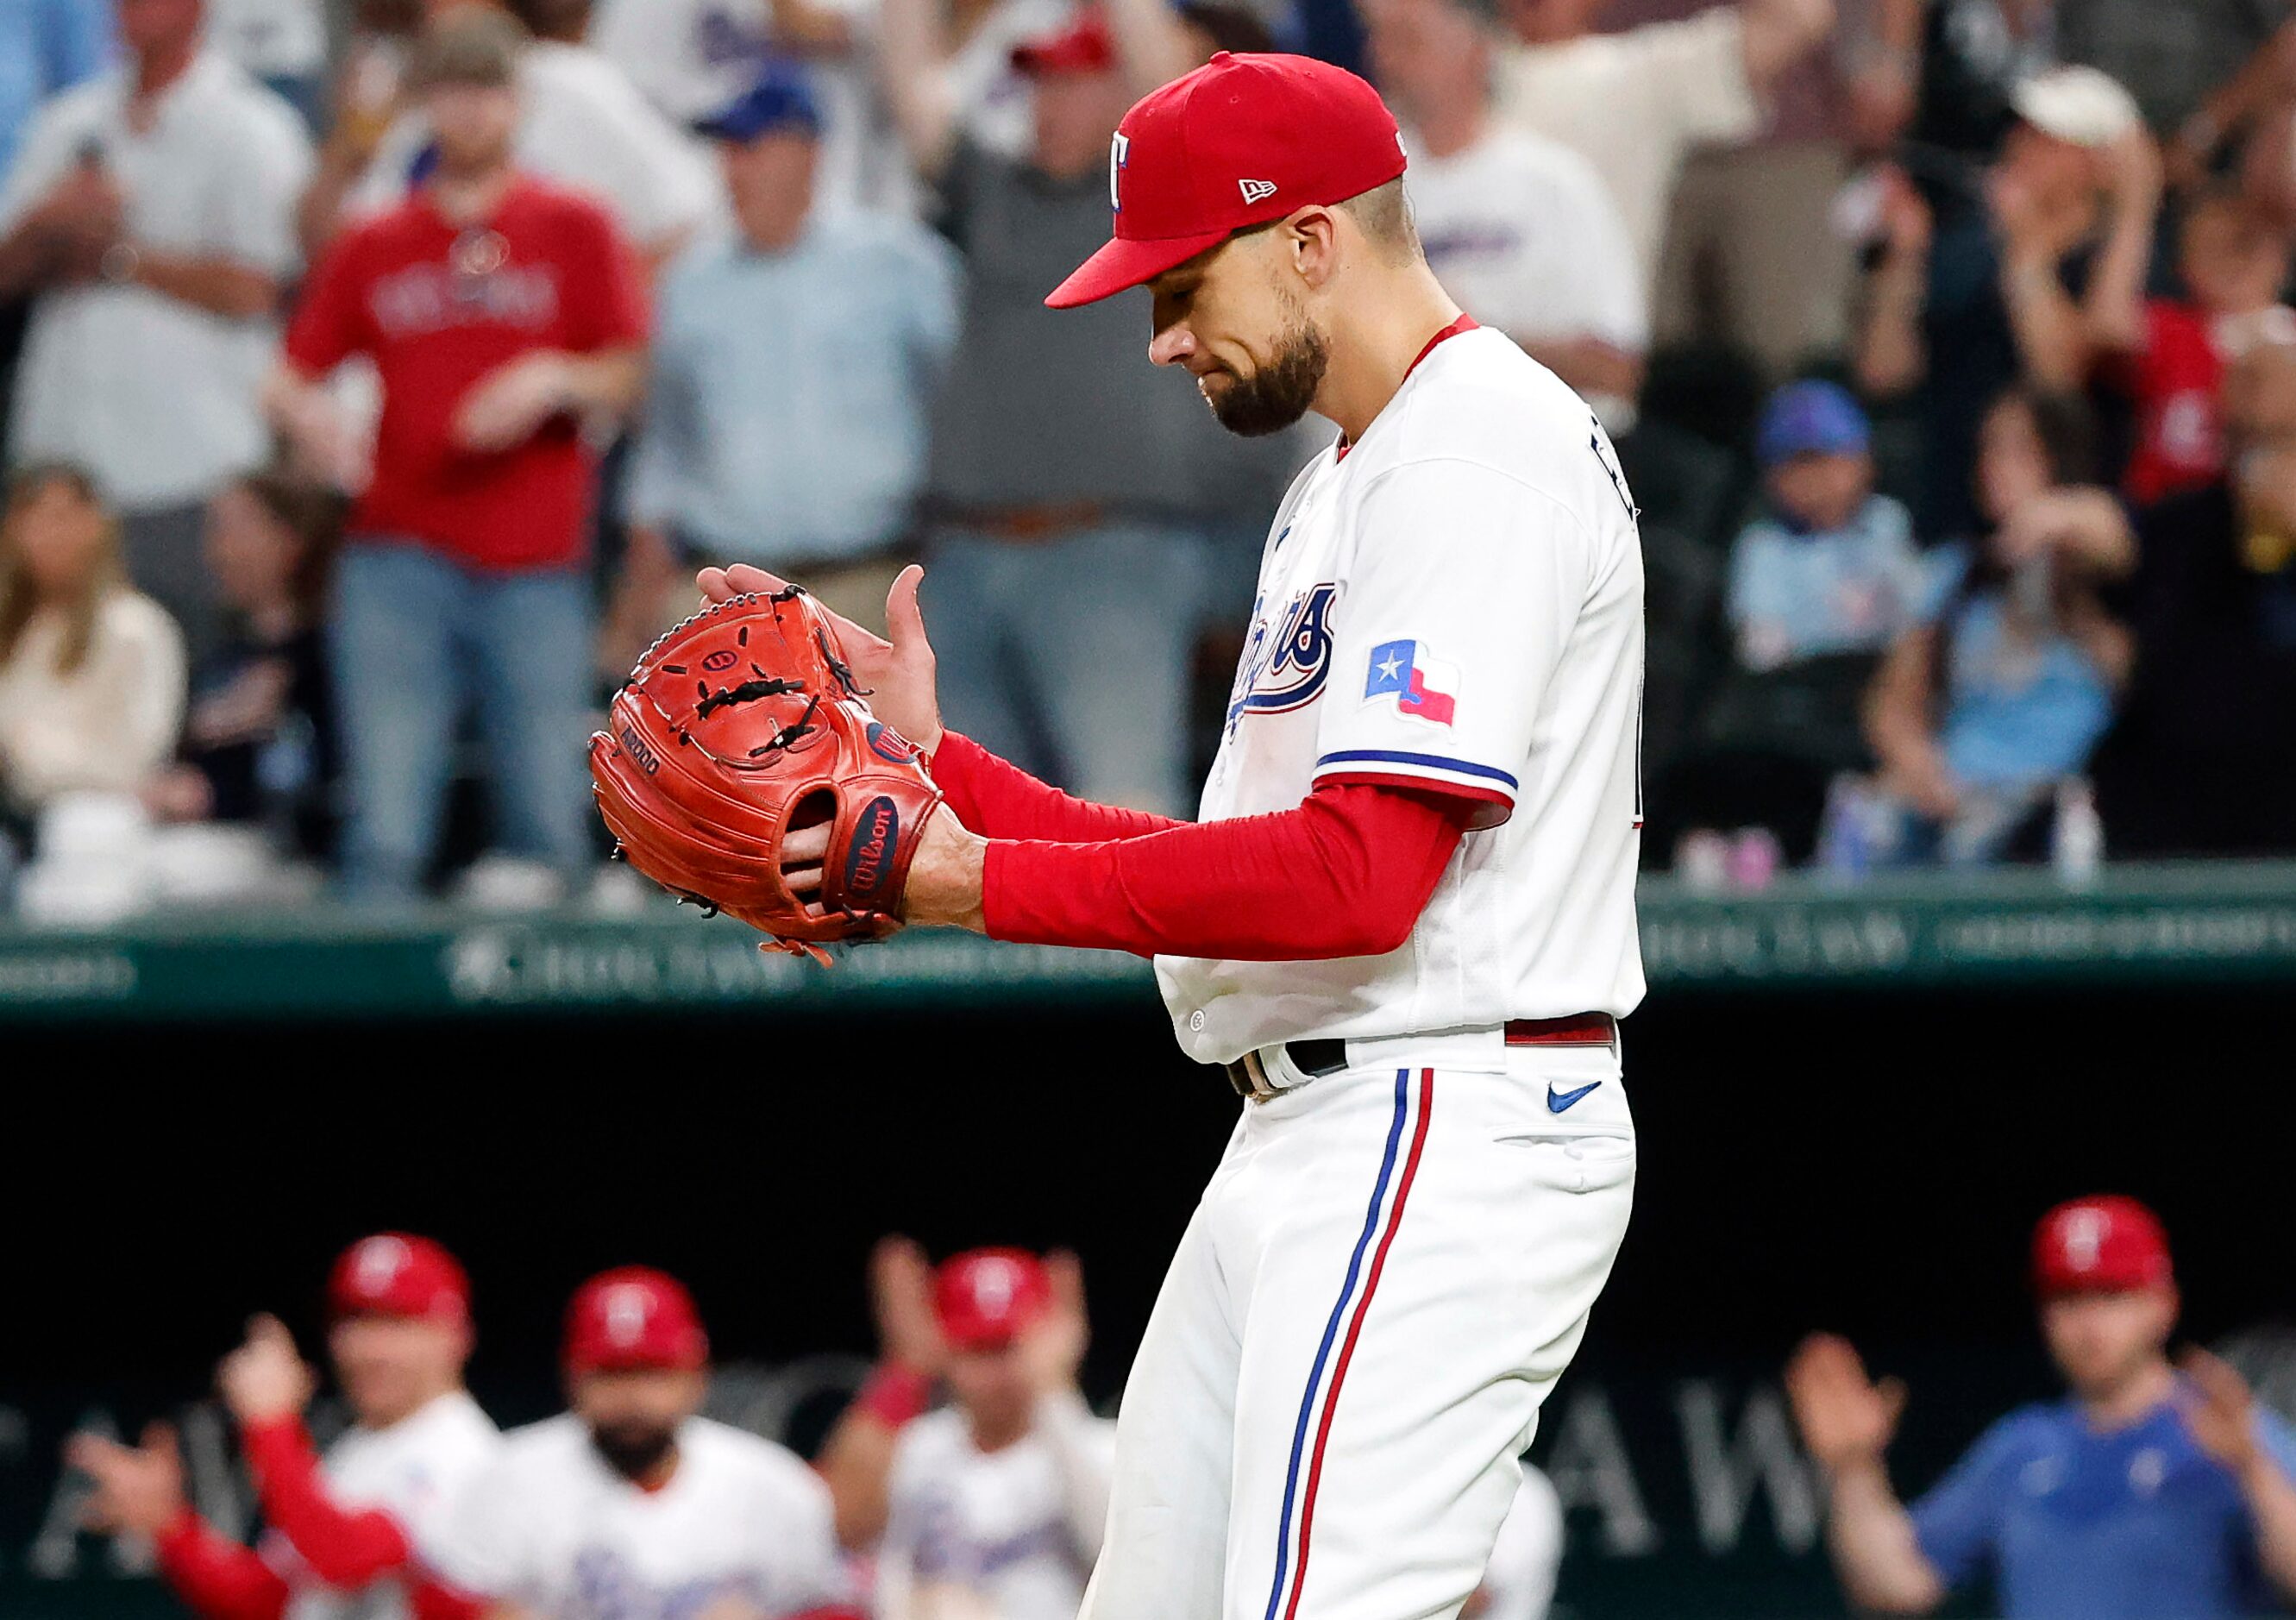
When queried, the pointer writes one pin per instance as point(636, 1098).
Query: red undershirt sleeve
point(1345, 872)
point(216, 1577)
point(996, 799)
point(344, 1548)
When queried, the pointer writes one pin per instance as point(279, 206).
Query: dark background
point(1871, 1162)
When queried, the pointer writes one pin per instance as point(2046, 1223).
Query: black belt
point(1319, 1058)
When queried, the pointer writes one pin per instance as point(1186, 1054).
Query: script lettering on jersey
point(1285, 667)
point(606, 1588)
point(425, 298)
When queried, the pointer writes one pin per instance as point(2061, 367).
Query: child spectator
point(2234, 262)
point(1833, 566)
point(260, 743)
point(1980, 713)
point(1820, 585)
point(91, 672)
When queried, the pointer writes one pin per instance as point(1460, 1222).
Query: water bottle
point(2077, 844)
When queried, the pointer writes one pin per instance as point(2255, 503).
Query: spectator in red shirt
point(2234, 262)
point(500, 312)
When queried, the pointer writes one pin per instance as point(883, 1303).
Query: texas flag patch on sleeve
point(1424, 688)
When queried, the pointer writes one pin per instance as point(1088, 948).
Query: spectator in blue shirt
point(1831, 567)
point(793, 367)
point(1981, 711)
point(2147, 1495)
point(1820, 586)
point(46, 46)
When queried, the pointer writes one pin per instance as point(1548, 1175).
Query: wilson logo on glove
point(702, 782)
point(873, 838)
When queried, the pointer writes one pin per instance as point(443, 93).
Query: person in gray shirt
point(1069, 491)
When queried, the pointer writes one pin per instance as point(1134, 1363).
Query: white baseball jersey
point(992, 1535)
point(1520, 1582)
point(1454, 603)
point(742, 1528)
point(415, 1471)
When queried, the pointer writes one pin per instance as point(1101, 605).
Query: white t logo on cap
point(1256, 190)
point(379, 1261)
point(2083, 1235)
point(626, 1313)
point(994, 1284)
point(1119, 148)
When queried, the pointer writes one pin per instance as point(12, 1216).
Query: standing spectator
point(151, 209)
point(996, 1504)
point(2143, 1495)
point(1520, 1582)
point(791, 376)
point(351, 1532)
point(582, 126)
point(259, 740)
point(91, 672)
point(1064, 480)
point(2204, 761)
point(633, 1503)
point(46, 47)
point(283, 43)
point(1753, 258)
point(499, 312)
point(1636, 103)
point(692, 57)
point(2025, 274)
point(1517, 227)
point(2234, 263)
point(1980, 713)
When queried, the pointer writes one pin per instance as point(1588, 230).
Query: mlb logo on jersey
point(1425, 689)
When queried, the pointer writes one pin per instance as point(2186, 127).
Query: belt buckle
point(1255, 1071)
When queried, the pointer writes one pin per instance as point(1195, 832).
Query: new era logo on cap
point(1256, 190)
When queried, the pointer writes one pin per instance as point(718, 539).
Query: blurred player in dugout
point(992, 1507)
point(2149, 1494)
point(344, 1532)
point(631, 1502)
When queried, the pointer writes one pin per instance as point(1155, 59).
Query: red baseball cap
point(634, 1320)
point(1084, 46)
point(398, 1274)
point(1242, 140)
point(982, 1299)
point(2107, 1245)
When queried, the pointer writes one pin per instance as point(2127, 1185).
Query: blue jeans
point(416, 638)
point(1070, 656)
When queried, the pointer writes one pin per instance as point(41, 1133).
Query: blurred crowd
point(966, 1478)
point(378, 371)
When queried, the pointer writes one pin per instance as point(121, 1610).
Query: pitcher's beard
point(1283, 390)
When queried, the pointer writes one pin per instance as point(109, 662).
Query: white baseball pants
point(1390, 1269)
